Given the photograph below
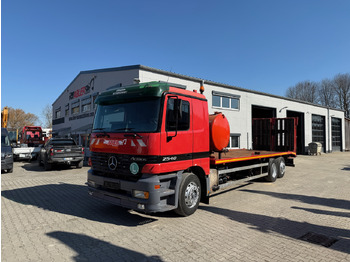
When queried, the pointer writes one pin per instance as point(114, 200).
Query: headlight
point(140, 194)
point(8, 155)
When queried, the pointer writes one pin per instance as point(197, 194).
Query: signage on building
point(80, 92)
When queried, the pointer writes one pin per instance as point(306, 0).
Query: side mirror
point(178, 108)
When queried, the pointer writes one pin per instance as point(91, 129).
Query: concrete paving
point(48, 216)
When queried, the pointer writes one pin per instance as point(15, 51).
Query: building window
point(224, 100)
point(86, 104)
point(58, 113)
point(76, 107)
point(234, 141)
point(67, 110)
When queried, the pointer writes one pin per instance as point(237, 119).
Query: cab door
point(176, 134)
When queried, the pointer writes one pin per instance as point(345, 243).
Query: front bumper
point(7, 163)
point(162, 189)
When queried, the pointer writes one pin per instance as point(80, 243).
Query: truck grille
point(99, 162)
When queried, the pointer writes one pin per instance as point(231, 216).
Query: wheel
point(281, 167)
point(272, 171)
point(47, 166)
point(39, 161)
point(189, 195)
point(10, 170)
point(80, 164)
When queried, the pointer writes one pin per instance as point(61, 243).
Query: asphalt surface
point(48, 216)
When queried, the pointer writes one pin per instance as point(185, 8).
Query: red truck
point(155, 148)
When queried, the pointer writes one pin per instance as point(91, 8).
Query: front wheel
point(189, 195)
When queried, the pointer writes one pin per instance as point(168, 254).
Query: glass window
point(125, 117)
point(234, 141)
point(183, 122)
point(225, 102)
point(216, 101)
point(67, 110)
point(234, 103)
point(58, 113)
point(75, 107)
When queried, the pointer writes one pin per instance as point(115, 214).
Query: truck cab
point(144, 138)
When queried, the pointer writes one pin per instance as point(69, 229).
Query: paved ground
point(48, 216)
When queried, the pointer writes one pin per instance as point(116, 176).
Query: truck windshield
point(136, 116)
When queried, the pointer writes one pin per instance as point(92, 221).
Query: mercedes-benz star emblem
point(112, 163)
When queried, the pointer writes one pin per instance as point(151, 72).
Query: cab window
point(183, 122)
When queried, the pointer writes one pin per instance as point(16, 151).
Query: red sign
point(79, 92)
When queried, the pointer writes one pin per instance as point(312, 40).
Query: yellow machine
point(4, 117)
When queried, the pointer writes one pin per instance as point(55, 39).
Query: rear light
point(82, 150)
point(51, 151)
point(90, 162)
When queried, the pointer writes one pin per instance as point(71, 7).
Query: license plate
point(68, 158)
point(111, 185)
point(23, 155)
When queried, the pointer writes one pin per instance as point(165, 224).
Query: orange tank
point(219, 129)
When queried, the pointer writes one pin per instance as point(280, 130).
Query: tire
point(189, 195)
point(272, 171)
point(80, 164)
point(10, 170)
point(47, 166)
point(39, 161)
point(281, 167)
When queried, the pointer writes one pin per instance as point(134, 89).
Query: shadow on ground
point(92, 249)
point(283, 226)
point(329, 202)
point(74, 200)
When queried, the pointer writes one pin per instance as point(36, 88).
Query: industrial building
point(73, 110)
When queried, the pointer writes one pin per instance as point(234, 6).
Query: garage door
point(336, 134)
point(318, 130)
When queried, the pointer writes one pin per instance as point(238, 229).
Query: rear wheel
point(272, 171)
point(47, 165)
point(80, 164)
point(281, 167)
point(189, 195)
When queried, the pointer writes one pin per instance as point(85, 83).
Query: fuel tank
point(219, 129)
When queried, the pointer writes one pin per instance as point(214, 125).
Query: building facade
point(73, 110)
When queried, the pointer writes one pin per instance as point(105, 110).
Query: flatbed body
point(240, 155)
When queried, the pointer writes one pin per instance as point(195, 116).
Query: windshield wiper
point(102, 131)
point(133, 135)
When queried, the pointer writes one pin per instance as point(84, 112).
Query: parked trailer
point(155, 148)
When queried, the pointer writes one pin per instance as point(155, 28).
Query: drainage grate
point(319, 239)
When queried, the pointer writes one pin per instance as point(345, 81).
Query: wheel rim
point(273, 170)
point(282, 167)
point(191, 194)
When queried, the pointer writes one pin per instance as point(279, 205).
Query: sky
point(266, 46)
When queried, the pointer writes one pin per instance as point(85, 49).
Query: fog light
point(91, 183)
point(140, 194)
point(140, 206)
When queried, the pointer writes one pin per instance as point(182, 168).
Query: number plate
point(111, 185)
point(68, 158)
